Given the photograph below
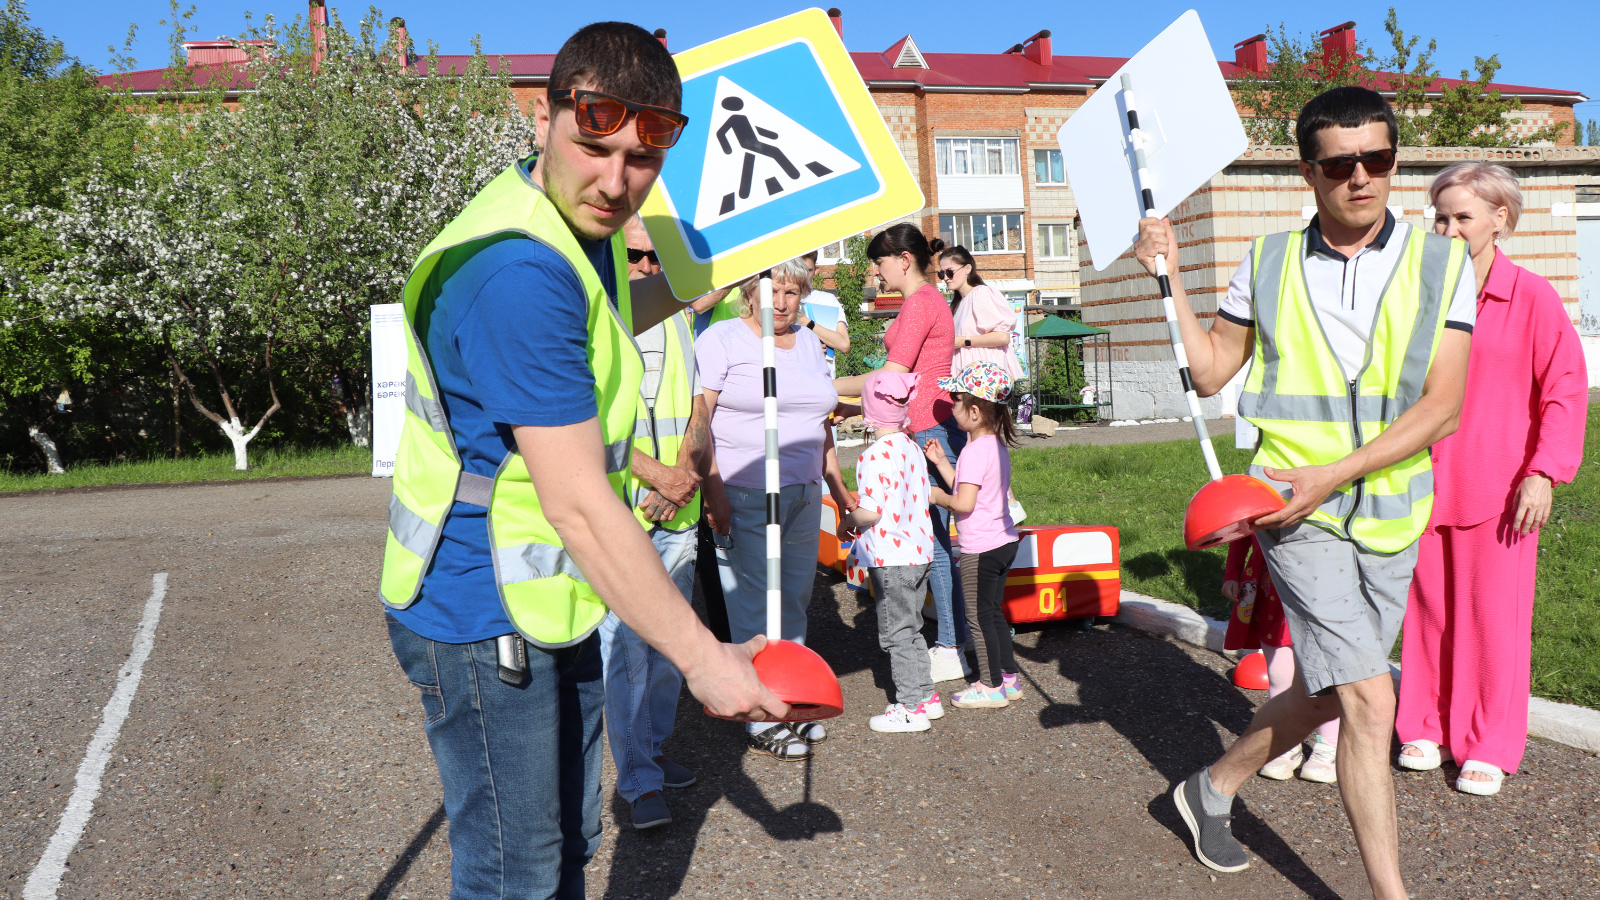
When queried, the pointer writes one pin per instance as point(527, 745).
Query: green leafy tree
point(1472, 114)
point(1296, 72)
point(57, 126)
point(1410, 75)
point(850, 282)
point(1594, 133)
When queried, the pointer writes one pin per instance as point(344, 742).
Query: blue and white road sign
point(784, 152)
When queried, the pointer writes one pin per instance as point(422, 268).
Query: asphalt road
point(274, 749)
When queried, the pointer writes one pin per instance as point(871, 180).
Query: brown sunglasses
point(601, 114)
point(1378, 163)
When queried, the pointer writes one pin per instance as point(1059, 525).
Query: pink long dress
point(1465, 656)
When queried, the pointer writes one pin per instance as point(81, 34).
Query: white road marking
point(45, 879)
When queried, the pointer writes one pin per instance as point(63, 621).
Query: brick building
point(977, 129)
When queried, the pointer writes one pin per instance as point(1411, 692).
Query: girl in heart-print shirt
point(894, 541)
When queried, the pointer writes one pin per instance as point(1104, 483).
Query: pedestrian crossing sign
point(784, 152)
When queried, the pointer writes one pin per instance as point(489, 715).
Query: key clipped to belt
point(511, 659)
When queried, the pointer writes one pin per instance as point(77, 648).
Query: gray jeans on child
point(901, 591)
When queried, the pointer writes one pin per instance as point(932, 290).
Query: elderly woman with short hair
point(1468, 625)
point(728, 355)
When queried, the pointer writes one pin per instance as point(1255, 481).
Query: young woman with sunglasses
point(919, 341)
point(984, 318)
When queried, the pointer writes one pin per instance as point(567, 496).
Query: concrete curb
point(1575, 726)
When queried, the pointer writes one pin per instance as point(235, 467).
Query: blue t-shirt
point(508, 339)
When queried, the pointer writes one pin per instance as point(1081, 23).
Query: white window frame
point(1060, 165)
point(970, 153)
point(1042, 247)
point(964, 237)
point(827, 258)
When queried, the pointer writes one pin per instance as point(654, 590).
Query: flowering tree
point(252, 241)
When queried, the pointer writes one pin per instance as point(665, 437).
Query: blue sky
point(1550, 43)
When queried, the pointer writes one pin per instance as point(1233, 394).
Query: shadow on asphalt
point(1167, 706)
point(402, 864)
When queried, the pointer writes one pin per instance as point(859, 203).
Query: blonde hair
point(795, 271)
point(1495, 185)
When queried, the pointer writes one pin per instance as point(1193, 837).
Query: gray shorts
point(1344, 604)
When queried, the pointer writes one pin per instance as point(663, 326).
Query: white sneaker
point(1322, 765)
point(932, 707)
point(897, 718)
point(945, 664)
point(1282, 768)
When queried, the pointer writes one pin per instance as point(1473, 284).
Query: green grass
point(1566, 609)
point(264, 463)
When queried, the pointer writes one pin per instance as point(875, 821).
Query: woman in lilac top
point(1465, 657)
point(728, 355)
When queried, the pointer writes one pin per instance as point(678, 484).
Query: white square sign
point(1192, 132)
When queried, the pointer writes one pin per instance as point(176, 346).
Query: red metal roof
point(945, 72)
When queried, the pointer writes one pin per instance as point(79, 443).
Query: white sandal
point(1480, 788)
point(1432, 756)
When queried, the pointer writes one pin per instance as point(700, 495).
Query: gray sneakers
point(1214, 843)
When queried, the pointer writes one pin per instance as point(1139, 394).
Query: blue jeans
point(946, 588)
point(520, 766)
point(742, 559)
point(641, 684)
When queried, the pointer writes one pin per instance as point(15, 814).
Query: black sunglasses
point(949, 274)
point(601, 114)
point(635, 256)
point(1378, 163)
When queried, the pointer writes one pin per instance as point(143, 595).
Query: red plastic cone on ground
point(1251, 672)
point(800, 678)
point(1224, 509)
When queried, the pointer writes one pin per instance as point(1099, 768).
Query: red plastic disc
point(1226, 509)
point(1251, 672)
point(800, 678)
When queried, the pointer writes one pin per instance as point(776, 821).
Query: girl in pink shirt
point(982, 479)
point(1469, 619)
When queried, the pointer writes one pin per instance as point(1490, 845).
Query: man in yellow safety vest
point(1357, 330)
point(512, 529)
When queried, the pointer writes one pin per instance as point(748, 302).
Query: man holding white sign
point(1357, 330)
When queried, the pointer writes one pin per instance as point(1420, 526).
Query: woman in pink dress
point(984, 318)
point(1467, 633)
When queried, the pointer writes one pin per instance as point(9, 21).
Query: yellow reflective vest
point(543, 592)
point(1311, 412)
point(660, 430)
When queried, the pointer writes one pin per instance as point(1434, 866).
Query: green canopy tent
point(1060, 328)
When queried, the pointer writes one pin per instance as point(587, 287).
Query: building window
point(976, 156)
point(984, 232)
point(1055, 242)
point(1047, 168)
point(832, 254)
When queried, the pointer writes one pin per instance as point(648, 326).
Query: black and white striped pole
point(1226, 507)
point(769, 412)
point(1141, 177)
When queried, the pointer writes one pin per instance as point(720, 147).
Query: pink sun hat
point(886, 398)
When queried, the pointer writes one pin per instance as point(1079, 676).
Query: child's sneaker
point(932, 707)
point(1321, 766)
point(1012, 686)
point(897, 718)
point(1282, 768)
point(979, 696)
point(944, 664)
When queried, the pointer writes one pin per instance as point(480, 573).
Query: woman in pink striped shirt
point(1465, 656)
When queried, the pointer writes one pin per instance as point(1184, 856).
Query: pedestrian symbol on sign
point(749, 138)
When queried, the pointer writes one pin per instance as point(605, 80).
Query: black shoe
point(1214, 843)
point(780, 742)
point(674, 775)
point(650, 811)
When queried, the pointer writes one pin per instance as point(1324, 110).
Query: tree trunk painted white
point(358, 421)
point(52, 455)
point(241, 439)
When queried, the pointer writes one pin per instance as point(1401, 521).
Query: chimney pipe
point(837, 18)
point(402, 41)
point(661, 35)
point(319, 33)
point(1251, 54)
point(1037, 49)
point(1339, 46)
